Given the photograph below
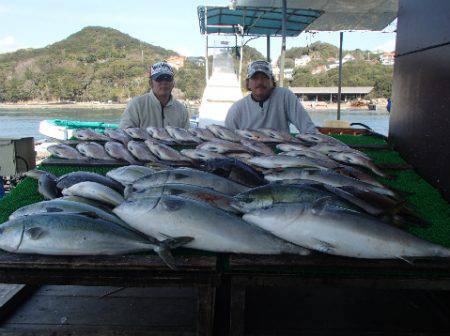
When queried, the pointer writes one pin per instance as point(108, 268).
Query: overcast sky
point(169, 24)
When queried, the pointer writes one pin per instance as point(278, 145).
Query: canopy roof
point(339, 14)
point(255, 21)
point(331, 89)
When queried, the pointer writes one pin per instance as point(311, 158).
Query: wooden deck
point(220, 295)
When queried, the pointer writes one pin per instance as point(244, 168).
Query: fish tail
point(163, 249)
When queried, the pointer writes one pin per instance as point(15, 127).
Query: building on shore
point(329, 94)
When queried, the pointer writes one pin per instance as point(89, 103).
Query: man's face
point(163, 85)
point(260, 84)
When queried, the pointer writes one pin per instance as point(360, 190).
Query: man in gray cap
point(267, 106)
point(156, 108)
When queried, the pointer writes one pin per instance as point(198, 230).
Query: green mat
point(426, 200)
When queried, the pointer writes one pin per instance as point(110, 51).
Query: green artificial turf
point(421, 196)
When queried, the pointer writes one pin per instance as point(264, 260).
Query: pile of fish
point(230, 194)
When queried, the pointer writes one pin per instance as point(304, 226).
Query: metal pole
point(341, 37)
point(206, 45)
point(283, 43)
point(241, 56)
point(268, 48)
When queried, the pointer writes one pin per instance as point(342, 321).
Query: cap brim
point(156, 76)
point(269, 75)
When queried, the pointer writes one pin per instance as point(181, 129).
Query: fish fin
point(323, 246)
point(406, 259)
point(172, 243)
point(90, 214)
point(53, 209)
point(320, 203)
point(35, 232)
point(167, 257)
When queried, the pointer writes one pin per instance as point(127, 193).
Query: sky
point(171, 24)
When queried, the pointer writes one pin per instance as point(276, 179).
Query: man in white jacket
point(267, 106)
point(156, 108)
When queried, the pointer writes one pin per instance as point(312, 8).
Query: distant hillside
point(361, 68)
point(94, 64)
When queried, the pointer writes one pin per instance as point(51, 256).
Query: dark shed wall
point(419, 125)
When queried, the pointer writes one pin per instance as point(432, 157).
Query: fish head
point(11, 234)
point(273, 217)
point(136, 207)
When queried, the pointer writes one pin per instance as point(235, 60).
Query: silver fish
point(95, 191)
point(278, 135)
point(341, 232)
point(289, 147)
point(284, 161)
point(118, 134)
point(223, 133)
point(118, 151)
point(76, 235)
point(69, 179)
point(84, 200)
point(202, 133)
point(160, 133)
point(328, 148)
point(315, 138)
point(257, 147)
point(88, 135)
point(210, 196)
point(47, 186)
point(255, 135)
point(222, 146)
point(321, 159)
point(165, 152)
point(358, 160)
point(181, 134)
point(240, 156)
point(212, 229)
point(324, 176)
point(271, 194)
point(201, 155)
point(65, 152)
point(137, 133)
point(58, 206)
point(187, 176)
point(129, 174)
point(140, 151)
point(94, 150)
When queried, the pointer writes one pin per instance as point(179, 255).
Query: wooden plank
point(43, 330)
point(324, 281)
point(108, 291)
point(205, 310)
point(322, 261)
point(11, 296)
point(237, 310)
point(131, 262)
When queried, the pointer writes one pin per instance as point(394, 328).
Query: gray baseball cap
point(160, 69)
point(259, 66)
